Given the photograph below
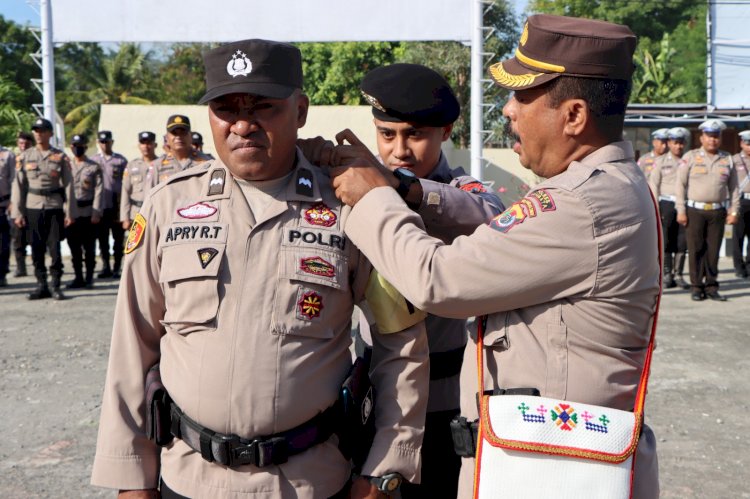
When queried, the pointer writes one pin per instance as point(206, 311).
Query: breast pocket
point(312, 295)
point(189, 276)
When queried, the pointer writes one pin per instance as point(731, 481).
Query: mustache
point(508, 131)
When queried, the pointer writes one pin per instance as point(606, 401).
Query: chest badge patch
point(135, 236)
point(320, 215)
point(206, 255)
point(310, 305)
point(197, 210)
point(315, 265)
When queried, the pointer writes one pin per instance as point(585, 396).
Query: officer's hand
point(68, 221)
point(363, 489)
point(682, 219)
point(126, 224)
point(95, 219)
point(352, 182)
point(20, 222)
point(731, 219)
point(139, 494)
point(317, 150)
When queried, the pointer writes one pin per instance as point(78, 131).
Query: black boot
point(41, 291)
point(20, 268)
point(668, 272)
point(3, 281)
point(89, 277)
point(105, 273)
point(679, 267)
point(77, 282)
point(57, 293)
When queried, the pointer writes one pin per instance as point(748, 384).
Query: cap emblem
point(373, 101)
point(239, 65)
point(525, 34)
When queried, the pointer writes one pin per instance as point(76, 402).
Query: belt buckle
point(239, 453)
point(709, 206)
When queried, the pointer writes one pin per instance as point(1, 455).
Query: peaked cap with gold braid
point(552, 46)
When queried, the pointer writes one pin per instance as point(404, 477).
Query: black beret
point(410, 93)
point(258, 67)
point(78, 140)
point(104, 135)
point(196, 138)
point(42, 124)
point(147, 136)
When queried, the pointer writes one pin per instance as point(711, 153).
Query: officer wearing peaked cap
point(741, 229)
point(707, 198)
point(134, 186)
point(180, 156)
point(658, 148)
point(245, 289)
point(662, 180)
point(568, 277)
point(414, 109)
point(42, 199)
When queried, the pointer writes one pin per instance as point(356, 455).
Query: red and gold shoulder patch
point(473, 187)
point(310, 305)
point(316, 265)
point(544, 199)
point(320, 215)
point(523, 209)
point(135, 236)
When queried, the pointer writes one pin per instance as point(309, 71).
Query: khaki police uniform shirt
point(133, 188)
point(164, 167)
point(741, 165)
point(569, 277)
point(663, 178)
point(87, 179)
point(646, 163)
point(707, 178)
point(249, 316)
point(7, 172)
point(453, 204)
point(47, 172)
point(113, 169)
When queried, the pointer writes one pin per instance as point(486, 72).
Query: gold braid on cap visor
point(501, 76)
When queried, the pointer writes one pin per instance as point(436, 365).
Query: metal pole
point(48, 64)
point(709, 56)
point(477, 110)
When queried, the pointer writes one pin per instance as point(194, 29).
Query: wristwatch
point(387, 484)
point(405, 179)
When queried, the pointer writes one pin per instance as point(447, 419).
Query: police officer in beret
point(113, 168)
point(741, 229)
point(7, 172)
point(707, 198)
point(43, 199)
point(658, 148)
point(663, 180)
point(414, 109)
point(568, 277)
point(197, 142)
point(180, 154)
point(134, 179)
point(89, 187)
point(240, 283)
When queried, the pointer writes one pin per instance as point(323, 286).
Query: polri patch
point(317, 266)
point(135, 236)
point(304, 182)
point(216, 184)
point(197, 210)
point(310, 305)
point(320, 215)
point(206, 255)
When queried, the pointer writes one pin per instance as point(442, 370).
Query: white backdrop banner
point(281, 20)
point(730, 53)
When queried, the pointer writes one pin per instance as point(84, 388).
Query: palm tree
point(116, 79)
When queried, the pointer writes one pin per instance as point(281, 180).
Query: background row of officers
point(700, 191)
point(46, 197)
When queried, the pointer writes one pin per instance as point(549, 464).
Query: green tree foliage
point(684, 23)
point(333, 71)
point(13, 113)
point(114, 78)
point(17, 69)
point(178, 74)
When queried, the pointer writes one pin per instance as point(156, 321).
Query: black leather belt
point(84, 204)
point(446, 364)
point(232, 450)
point(46, 192)
point(136, 203)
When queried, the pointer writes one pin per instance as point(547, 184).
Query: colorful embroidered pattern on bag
point(564, 416)
point(532, 418)
point(602, 428)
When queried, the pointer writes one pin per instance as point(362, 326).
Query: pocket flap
point(559, 427)
point(186, 261)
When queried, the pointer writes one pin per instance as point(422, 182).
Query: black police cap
point(78, 140)
point(146, 137)
point(104, 135)
point(42, 124)
point(196, 138)
point(410, 93)
point(258, 67)
point(178, 121)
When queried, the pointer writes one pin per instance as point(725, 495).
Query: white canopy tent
point(287, 20)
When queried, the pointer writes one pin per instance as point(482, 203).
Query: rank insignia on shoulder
point(473, 187)
point(206, 255)
point(546, 203)
point(310, 305)
point(304, 182)
point(197, 210)
point(518, 212)
point(216, 184)
point(135, 236)
point(320, 215)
